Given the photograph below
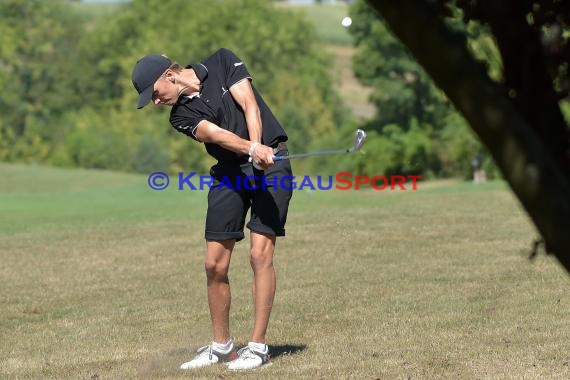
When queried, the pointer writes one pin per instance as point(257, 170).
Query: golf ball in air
point(346, 22)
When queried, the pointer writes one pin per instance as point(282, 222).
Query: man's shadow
point(285, 349)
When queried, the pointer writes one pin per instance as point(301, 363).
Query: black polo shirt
point(217, 74)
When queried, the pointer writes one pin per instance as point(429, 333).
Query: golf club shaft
point(321, 153)
point(359, 139)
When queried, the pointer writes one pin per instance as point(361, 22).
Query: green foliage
point(68, 97)
point(37, 39)
point(458, 146)
point(484, 48)
point(402, 90)
point(565, 108)
point(417, 128)
point(480, 41)
point(339, 140)
point(149, 156)
point(92, 146)
point(399, 150)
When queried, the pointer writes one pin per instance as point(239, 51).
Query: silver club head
point(359, 139)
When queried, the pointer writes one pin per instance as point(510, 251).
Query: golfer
point(214, 102)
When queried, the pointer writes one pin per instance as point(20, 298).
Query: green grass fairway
point(326, 18)
point(102, 278)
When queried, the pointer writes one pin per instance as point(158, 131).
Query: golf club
point(359, 138)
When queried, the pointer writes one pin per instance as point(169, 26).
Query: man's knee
point(216, 269)
point(261, 258)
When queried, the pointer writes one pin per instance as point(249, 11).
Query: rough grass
point(354, 96)
point(102, 278)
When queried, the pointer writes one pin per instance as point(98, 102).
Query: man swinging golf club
point(214, 102)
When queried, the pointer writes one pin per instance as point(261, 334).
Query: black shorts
point(237, 188)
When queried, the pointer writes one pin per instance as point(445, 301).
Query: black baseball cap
point(147, 71)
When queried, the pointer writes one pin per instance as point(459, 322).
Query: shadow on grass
point(286, 349)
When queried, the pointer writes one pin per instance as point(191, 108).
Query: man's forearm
point(243, 94)
point(210, 133)
point(253, 122)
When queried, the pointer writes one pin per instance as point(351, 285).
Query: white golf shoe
point(249, 358)
point(207, 356)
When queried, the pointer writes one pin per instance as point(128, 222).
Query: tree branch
point(525, 162)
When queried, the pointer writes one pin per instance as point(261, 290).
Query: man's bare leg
point(217, 264)
point(261, 258)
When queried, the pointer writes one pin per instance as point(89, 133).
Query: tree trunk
point(524, 160)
